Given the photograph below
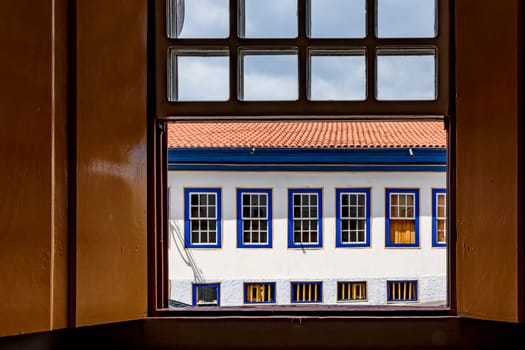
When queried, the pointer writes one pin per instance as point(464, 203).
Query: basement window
point(402, 291)
point(206, 294)
point(259, 293)
point(351, 291)
point(306, 292)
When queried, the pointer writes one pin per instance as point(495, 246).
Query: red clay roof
point(308, 134)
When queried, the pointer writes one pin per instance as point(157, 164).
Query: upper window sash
point(233, 45)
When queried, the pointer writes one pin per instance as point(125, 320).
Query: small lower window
point(206, 294)
point(259, 293)
point(399, 291)
point(351, 291)
point(307, 292)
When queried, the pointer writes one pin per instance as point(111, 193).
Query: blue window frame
point(351, 291)
point(202, 217)
point(352, 217)
point(305, 218)
point(439, 217)
point(402, 291)
point(402, 217)
point(259, 292)
point(306, 292)
point(254, 218)
point(206, 294)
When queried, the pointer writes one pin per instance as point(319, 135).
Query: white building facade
point(280, 226)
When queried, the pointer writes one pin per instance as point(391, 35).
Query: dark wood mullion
point(302, 49)
point(371, 46)
point(304, 41)
point(443, 39)
point(308, 109)
point(235, 73)
point(162, 43)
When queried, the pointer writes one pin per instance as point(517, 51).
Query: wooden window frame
point(302, 108)
point(161, 111)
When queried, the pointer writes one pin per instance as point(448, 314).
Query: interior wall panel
point(28, 225)
point(111, 232)
point(488, 254)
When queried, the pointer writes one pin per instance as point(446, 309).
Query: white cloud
point(266, 87)
point(338, 78)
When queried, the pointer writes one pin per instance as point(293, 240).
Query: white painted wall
point(231, 266)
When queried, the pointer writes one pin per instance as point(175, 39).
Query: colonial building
point(307, 212)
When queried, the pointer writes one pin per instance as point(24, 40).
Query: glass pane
point(269, 77)
point(198, 19)
point(337, 19)
point(268, 19)
point(198, 76)
point(409, 76)
point(406, 18)
point(340, 77)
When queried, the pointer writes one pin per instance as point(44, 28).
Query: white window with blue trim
point(402, 217)
point(254, 218)
point(439, 217)
point(202, 217)
point(352, 217)
point(206, 294)
point(305, 218)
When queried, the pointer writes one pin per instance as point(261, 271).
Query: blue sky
point(333, 77)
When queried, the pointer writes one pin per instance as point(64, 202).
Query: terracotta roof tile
point(307, 134)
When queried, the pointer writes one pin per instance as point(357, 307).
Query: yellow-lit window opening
point(306, 292)
point(402, 290)
point(259, 293)
point(348, 291)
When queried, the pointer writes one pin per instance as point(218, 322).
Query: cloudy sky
point(342, 77)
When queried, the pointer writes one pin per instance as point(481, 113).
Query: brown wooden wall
point(33, 220)
point(111, 161)
point(489, 246)
point(108, 145)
